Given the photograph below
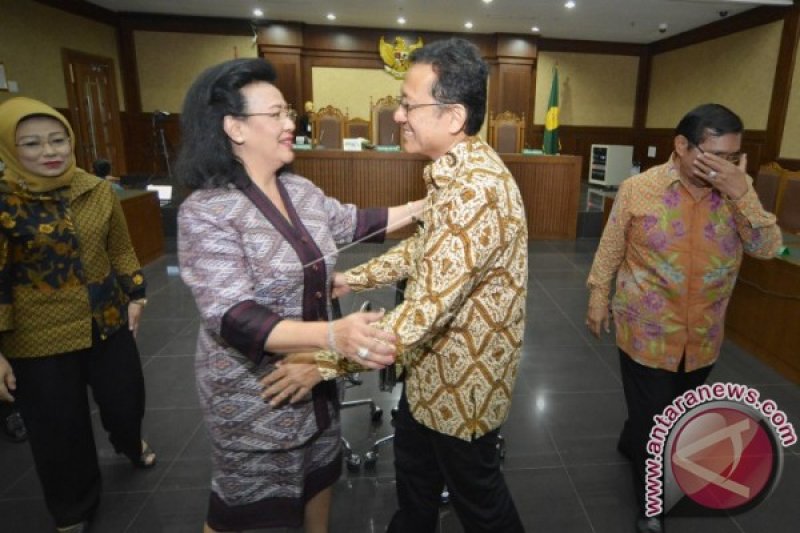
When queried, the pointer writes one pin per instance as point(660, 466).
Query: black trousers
point(51, 395)
point(647, 392)
point(426, 460)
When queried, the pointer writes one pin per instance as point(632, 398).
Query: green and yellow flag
point(551, 144)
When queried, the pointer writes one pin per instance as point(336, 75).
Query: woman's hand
point(339, 287)
point(8, 382)
point(357, 339)
point(293, 378)
point(134, 314)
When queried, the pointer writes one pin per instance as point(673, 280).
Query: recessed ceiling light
point(487, 1)
point(331, 16)
point(535, 29)
point(401, 20)
point(468, 25)
point(258, 12)
point(570, 4)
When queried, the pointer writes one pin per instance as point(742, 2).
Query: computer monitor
point(164, 192)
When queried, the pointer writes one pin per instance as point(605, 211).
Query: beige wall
point(594, 89)
point(736, 71)
point(790, 147)
point(350, 89)
point(31, 39)
point(170, 62)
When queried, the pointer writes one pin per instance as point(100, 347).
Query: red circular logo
point(723, 458)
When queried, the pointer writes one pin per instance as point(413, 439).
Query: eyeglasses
point(34, 146)
point(408, 108)
point(284, 113)
point(734, 157)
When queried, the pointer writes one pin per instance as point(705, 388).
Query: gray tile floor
point(561, 462)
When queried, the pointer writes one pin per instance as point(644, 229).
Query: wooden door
point(92, 96)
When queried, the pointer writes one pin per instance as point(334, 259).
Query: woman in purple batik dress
point(257, 247)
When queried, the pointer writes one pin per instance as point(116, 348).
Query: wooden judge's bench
point(549, 185)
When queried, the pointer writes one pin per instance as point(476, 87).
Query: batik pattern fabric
point(461, 325)
point(249, 268)
point(66, 262)
point(676, 256)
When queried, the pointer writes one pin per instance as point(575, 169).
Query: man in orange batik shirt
point(674, 241)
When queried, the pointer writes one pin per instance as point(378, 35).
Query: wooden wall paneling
point(143, 216)
point(782, 84)
point(590, 47)
point(83, 8)
point(290, 76)
point(139, 142)
point(186, 24)
point(349, 39)
point(141, 150)
point(790, 164)
point(493, 98)
point(513, 76)
point(328, 46)
point(517, 46)
point(661, 138)
point(514, 89)
point(281, 34)
point(754, 144)
point(129, 68)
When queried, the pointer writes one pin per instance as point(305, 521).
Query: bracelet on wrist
point(331, 337)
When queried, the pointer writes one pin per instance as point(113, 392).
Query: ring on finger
point(362, 352)
point(712, 174)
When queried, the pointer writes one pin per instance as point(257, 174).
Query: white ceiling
point(629, 21)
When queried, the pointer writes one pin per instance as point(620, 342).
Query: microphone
point(391, 139)
point(321, 136)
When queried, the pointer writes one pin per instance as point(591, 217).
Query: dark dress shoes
point(650, 524)
point(14, 428)
point(83, 527)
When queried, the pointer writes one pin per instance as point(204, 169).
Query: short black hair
point(461, 77)
point(101, 168)
point(713, 120)
point(206, 159)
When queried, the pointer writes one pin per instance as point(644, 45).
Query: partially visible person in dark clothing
point(102, 169)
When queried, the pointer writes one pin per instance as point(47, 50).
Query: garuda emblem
point(395, 57)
